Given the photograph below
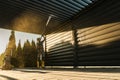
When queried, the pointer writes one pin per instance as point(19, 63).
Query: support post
point(45, 50)
point(75, 44)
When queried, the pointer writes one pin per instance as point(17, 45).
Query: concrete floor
point(57, 74)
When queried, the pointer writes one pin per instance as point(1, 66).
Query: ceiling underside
point(32, 15)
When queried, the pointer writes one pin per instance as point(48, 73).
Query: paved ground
point(55, 74)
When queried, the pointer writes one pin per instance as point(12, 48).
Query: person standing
point(40, 49)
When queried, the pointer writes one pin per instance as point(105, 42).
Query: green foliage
point(30, 54)
point(21, 57)
point(2, 58)
point(33, 54)
point(14, 61)
point(26, 57)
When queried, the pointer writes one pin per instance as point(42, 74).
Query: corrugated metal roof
point(63, 9)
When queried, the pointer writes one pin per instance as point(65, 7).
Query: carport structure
point(82, 33)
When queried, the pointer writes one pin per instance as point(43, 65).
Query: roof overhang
point(31, 15)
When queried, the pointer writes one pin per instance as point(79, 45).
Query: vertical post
point(75, 44)
point(45, 50)
point(45, 44)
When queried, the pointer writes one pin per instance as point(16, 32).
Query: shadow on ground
point(31, 71)
point(100, 70)
point(8, 78)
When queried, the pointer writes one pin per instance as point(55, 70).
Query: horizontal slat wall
point(99, 45)
point(98, 35)
point(98, 38)
point(59, 49)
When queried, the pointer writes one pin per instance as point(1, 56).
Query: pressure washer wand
point(49, 18)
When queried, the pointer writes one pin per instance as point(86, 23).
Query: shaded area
point(104, 13)
point(8, 13)
point(100, 13)
point(24, 16)
point(100, 70)
point(32, 71)
point(100, 55)
point(60, 54)
point(35, 72)
point(100, 16)
point(12, 12)
point(7, 77)
point(19, 16)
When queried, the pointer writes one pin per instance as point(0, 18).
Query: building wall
point(97, 35)
point(59, 49)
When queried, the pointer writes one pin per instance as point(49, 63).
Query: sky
point(5, 34)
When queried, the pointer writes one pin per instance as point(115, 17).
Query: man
point(40, 49)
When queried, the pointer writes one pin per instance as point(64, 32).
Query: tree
point(10, 52)
point(30, 54)
point(11, 48)
point(2, 59)
point(19, 55)
point(33, 54)
point(26, 53)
